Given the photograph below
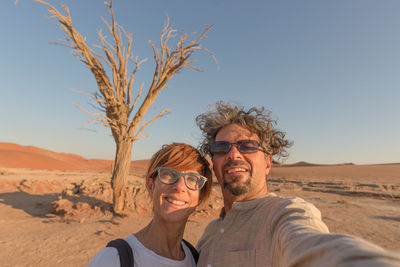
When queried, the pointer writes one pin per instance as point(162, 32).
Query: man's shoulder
point(281, 202)
point(211, 226)
point(297, 203)
point(294, 212)
point(209, 233)
point(277, 207)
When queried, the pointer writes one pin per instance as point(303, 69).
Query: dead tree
point(114, 96)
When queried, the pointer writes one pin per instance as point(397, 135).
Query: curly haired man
point(257, 228)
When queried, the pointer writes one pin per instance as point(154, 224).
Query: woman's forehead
point(183, 169)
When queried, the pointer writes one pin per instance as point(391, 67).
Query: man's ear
point(268, 161)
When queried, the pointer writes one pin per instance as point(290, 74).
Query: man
point(257, 228)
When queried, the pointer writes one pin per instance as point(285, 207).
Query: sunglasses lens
point(244, 146)
point(220, 147)
point(248, 146)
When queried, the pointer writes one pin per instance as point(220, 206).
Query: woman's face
point(174, 202)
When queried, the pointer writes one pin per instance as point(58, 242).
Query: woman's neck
point(163, 238)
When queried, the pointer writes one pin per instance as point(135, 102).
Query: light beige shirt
point(275, 231)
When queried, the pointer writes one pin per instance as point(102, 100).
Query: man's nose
point(234, 152)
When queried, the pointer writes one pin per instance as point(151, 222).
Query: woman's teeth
point(176, 202)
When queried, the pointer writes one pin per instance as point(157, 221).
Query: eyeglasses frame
point(181, 174)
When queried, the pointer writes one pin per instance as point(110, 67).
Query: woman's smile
point(175, 201)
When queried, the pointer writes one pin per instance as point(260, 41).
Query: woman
point(178, 180)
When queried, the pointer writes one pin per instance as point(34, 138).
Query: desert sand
point(52, 215)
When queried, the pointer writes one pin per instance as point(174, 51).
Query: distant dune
point(300, 164)
point(307, 164)
point(30, 157)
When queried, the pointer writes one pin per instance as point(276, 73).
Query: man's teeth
point(236, 170)
point(176, 202)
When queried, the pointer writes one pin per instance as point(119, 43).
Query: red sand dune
point(30, 157)
point(308, 164)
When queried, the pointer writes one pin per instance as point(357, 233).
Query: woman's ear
point(150, 184)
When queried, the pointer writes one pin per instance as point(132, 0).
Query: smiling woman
point(178, 180)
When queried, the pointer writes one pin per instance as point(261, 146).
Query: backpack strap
point(124, 251)
point(126, 255)
point(192, 249)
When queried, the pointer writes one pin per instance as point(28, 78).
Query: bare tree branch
point(163, 113)
point(103, 119)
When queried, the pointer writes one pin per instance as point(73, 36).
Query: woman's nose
point(180, 184)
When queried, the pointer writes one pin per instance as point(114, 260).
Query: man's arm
point(300, 238)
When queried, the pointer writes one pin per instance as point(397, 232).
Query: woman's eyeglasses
point(244, 146)
point(193, 181)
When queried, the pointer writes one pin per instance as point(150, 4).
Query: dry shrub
point(343, 201)
point(94, 198)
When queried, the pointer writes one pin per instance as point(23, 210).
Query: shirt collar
point(245, 205)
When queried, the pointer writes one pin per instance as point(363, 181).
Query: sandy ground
point(57, 218)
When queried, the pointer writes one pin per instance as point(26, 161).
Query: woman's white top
point(108, 257)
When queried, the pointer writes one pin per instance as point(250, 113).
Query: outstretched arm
point(300, 238)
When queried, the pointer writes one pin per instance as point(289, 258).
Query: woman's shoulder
point(109, 256)
point(105, 257)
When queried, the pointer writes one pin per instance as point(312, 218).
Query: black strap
point(126, 255)
point(124, 251)
point(192, 249)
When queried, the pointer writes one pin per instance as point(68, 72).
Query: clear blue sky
point(328, 70)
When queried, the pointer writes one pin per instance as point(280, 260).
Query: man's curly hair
point(257, 121)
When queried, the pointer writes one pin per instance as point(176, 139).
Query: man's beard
point(236, 188)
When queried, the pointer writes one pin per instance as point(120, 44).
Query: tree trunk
point(120, 175)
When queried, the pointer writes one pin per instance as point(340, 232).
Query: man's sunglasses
point(244, 146)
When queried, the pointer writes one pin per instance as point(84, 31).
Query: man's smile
point(235, 170)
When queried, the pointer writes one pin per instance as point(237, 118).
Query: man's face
point(238, 173)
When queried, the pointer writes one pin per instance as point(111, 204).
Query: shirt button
point(222, 230)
